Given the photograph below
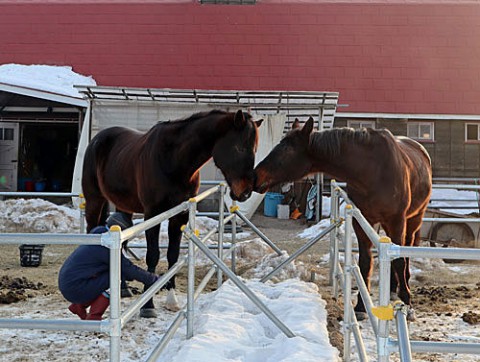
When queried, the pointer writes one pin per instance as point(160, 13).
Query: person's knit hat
point(121, 219)
point(98, 230)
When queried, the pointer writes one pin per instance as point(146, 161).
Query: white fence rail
point(113, 240)
point(381, 316)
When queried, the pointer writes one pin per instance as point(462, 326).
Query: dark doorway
point(47, 156)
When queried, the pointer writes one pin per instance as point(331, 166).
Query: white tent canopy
point(140, 109)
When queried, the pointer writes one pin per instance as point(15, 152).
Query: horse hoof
point(148, 313)
point(171, 303)
point(172, 307)
point(361, 316)
point(411, 315)
point(126, 293)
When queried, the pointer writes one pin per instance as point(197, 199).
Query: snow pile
point(48, 78)
point(314, 230)
point(37, 216)
point(270, 262)
point(205, 224)
point(230, 327)
point(253, 250)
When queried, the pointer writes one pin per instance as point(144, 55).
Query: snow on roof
point(47, 78)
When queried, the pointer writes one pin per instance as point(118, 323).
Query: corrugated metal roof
point(321, 105)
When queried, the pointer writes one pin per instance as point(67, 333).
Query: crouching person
point(85, 278)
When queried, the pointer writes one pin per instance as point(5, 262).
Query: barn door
point(8, 156)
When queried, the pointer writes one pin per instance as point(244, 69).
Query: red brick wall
point(381, 58)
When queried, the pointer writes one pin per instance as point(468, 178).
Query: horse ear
point(259, 122)
point(296, 124)
point(308, 127)
point(239, 120)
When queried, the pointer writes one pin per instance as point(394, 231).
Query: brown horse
point(388, 178)
point(152, 172)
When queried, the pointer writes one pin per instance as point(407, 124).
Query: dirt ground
point(443, 292)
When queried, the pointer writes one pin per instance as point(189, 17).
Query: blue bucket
point(40, 186)
point(272, 199)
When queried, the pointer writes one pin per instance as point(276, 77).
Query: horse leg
point(412, 238)
point(393, 275)
point(152, 257)
point(96, 211)
point(365, 264)
point(393, 282)
point(174, 238)
point(401, 265)
point(399, 235)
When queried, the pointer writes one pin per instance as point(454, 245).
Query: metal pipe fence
point(381, 316)
point(113, 239)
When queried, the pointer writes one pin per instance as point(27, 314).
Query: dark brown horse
point(388, 178)
point(152, 172)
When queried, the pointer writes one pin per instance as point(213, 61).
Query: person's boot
point(79, 309)
point(98, 307)
point(125, 291)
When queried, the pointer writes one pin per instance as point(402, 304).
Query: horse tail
point(89, 174)
point(96, 156)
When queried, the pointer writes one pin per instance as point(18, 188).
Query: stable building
point(409, 66)
point(40, 125)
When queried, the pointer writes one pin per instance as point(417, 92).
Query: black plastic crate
point(30, 255)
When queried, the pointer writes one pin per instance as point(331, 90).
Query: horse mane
point(330, 142)
point(200, 115)
point(192, 118)
point(180, 122)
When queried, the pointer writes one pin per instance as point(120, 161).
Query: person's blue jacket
point(85, 273)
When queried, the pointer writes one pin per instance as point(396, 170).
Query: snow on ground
point(37, 216)
point(231, 328)
point(56, 79)
point(314, 230)
point(451, 195)
point(228, 327)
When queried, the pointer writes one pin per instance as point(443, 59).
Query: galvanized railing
point(381, 316)
point(113, 240)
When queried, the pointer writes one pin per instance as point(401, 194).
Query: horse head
point(288, 161)
point(234, 154)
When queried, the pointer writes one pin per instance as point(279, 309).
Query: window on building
point(361, 124)
point(8, 134)
point(472, 132)
point(420, 130)
point(229, 2)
